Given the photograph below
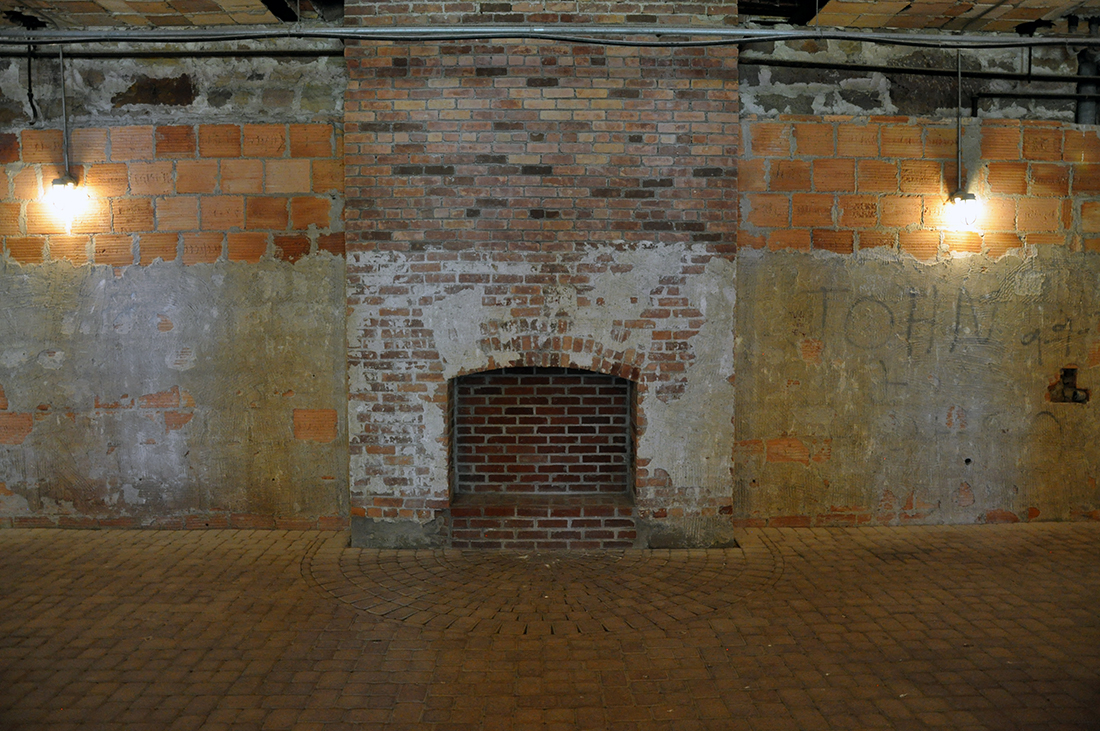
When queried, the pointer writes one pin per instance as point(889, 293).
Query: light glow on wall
point(962, 210)
point(67, 199)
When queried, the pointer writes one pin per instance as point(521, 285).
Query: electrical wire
point(30, 86)
point(632, 36)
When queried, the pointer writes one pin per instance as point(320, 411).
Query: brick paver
point(984, 627)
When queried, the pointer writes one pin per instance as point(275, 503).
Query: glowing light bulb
point(963, 210)
point(67, 199)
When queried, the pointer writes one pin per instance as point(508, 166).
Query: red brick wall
point(542, 430)
point(522, 177)
point(538, 145)
point(195, 193)
point(845, 184)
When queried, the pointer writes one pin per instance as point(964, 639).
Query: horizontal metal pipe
point(746, 60)
point(1037, 96)
point(244, 53)
point(649, 35)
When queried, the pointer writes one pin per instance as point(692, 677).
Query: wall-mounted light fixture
point(963, 207)
point(66, 196)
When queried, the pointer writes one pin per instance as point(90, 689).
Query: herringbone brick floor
point(983, 627)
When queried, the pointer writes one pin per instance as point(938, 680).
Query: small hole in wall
point(1065, 390)
point(967, 460)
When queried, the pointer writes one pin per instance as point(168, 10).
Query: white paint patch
point(51, 359)
point(14, 357)
point(181, 359)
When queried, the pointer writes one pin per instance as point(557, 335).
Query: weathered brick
point(203, 247)
point(70, 248)
point(921, 176)
point(196, 176)
point(175, 141)
point(831, 174)
point(857, 141)
point(814, 140)
point(924, 245)
point(287, 176)
point(108, 179)
point(132, 214)
point(266, 213)
point(26, 249)
point(857, 211)
point(1001, 143)
point(1049, 179)
point(790, 175)
point(219, 140)
point(306, 211)
point(221, 212)
point(812, 209)
point(1042, 143)
point(242, 176)
point(900, 211)
point(291, 247)
point(113, 249)
point(770, 139)
point(153, 246)
point(264, 140)
point(152, 178)
point(902, 141)
point(246, 246)
point(1008, 177)
point(88, 146)
point(131, 143)
point(311, 140)
point(177, 213)
point(15, 428)
point(315, 425)
point(43, 145)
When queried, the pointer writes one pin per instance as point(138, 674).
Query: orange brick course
point(192, 193)
point(849, 183)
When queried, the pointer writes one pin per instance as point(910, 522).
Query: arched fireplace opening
point(542, 458)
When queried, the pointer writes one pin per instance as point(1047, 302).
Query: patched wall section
point(173, 396)
point(880, 390)
point(660, 316)
point(173, 355)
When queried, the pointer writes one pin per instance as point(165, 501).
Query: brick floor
point(984, 627)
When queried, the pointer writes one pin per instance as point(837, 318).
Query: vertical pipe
point(1086, 108)
point(958, 121)
point(64, 112)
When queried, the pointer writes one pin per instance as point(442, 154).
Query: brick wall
point(146, 393)
point(845, 184)
point(545, 431)
point(192, 193)
point(539, 145)
point(525, 204)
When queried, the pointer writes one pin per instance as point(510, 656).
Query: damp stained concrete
point(149, 393)
point(878, 389)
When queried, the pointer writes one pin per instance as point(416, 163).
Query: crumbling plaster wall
point(769, 89)
point(633, 313)
point(894, 366)
point(172, 395)
point(874, 388)
point(177, 89)
point(175, 358)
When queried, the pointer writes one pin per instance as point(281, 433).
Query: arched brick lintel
point(561, 351)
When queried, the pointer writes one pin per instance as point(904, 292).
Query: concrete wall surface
point(875, 389)
point(173, 395)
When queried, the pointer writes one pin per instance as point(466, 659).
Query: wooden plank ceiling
point(1041, 16)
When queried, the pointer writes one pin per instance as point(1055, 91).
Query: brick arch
point(562, 351)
